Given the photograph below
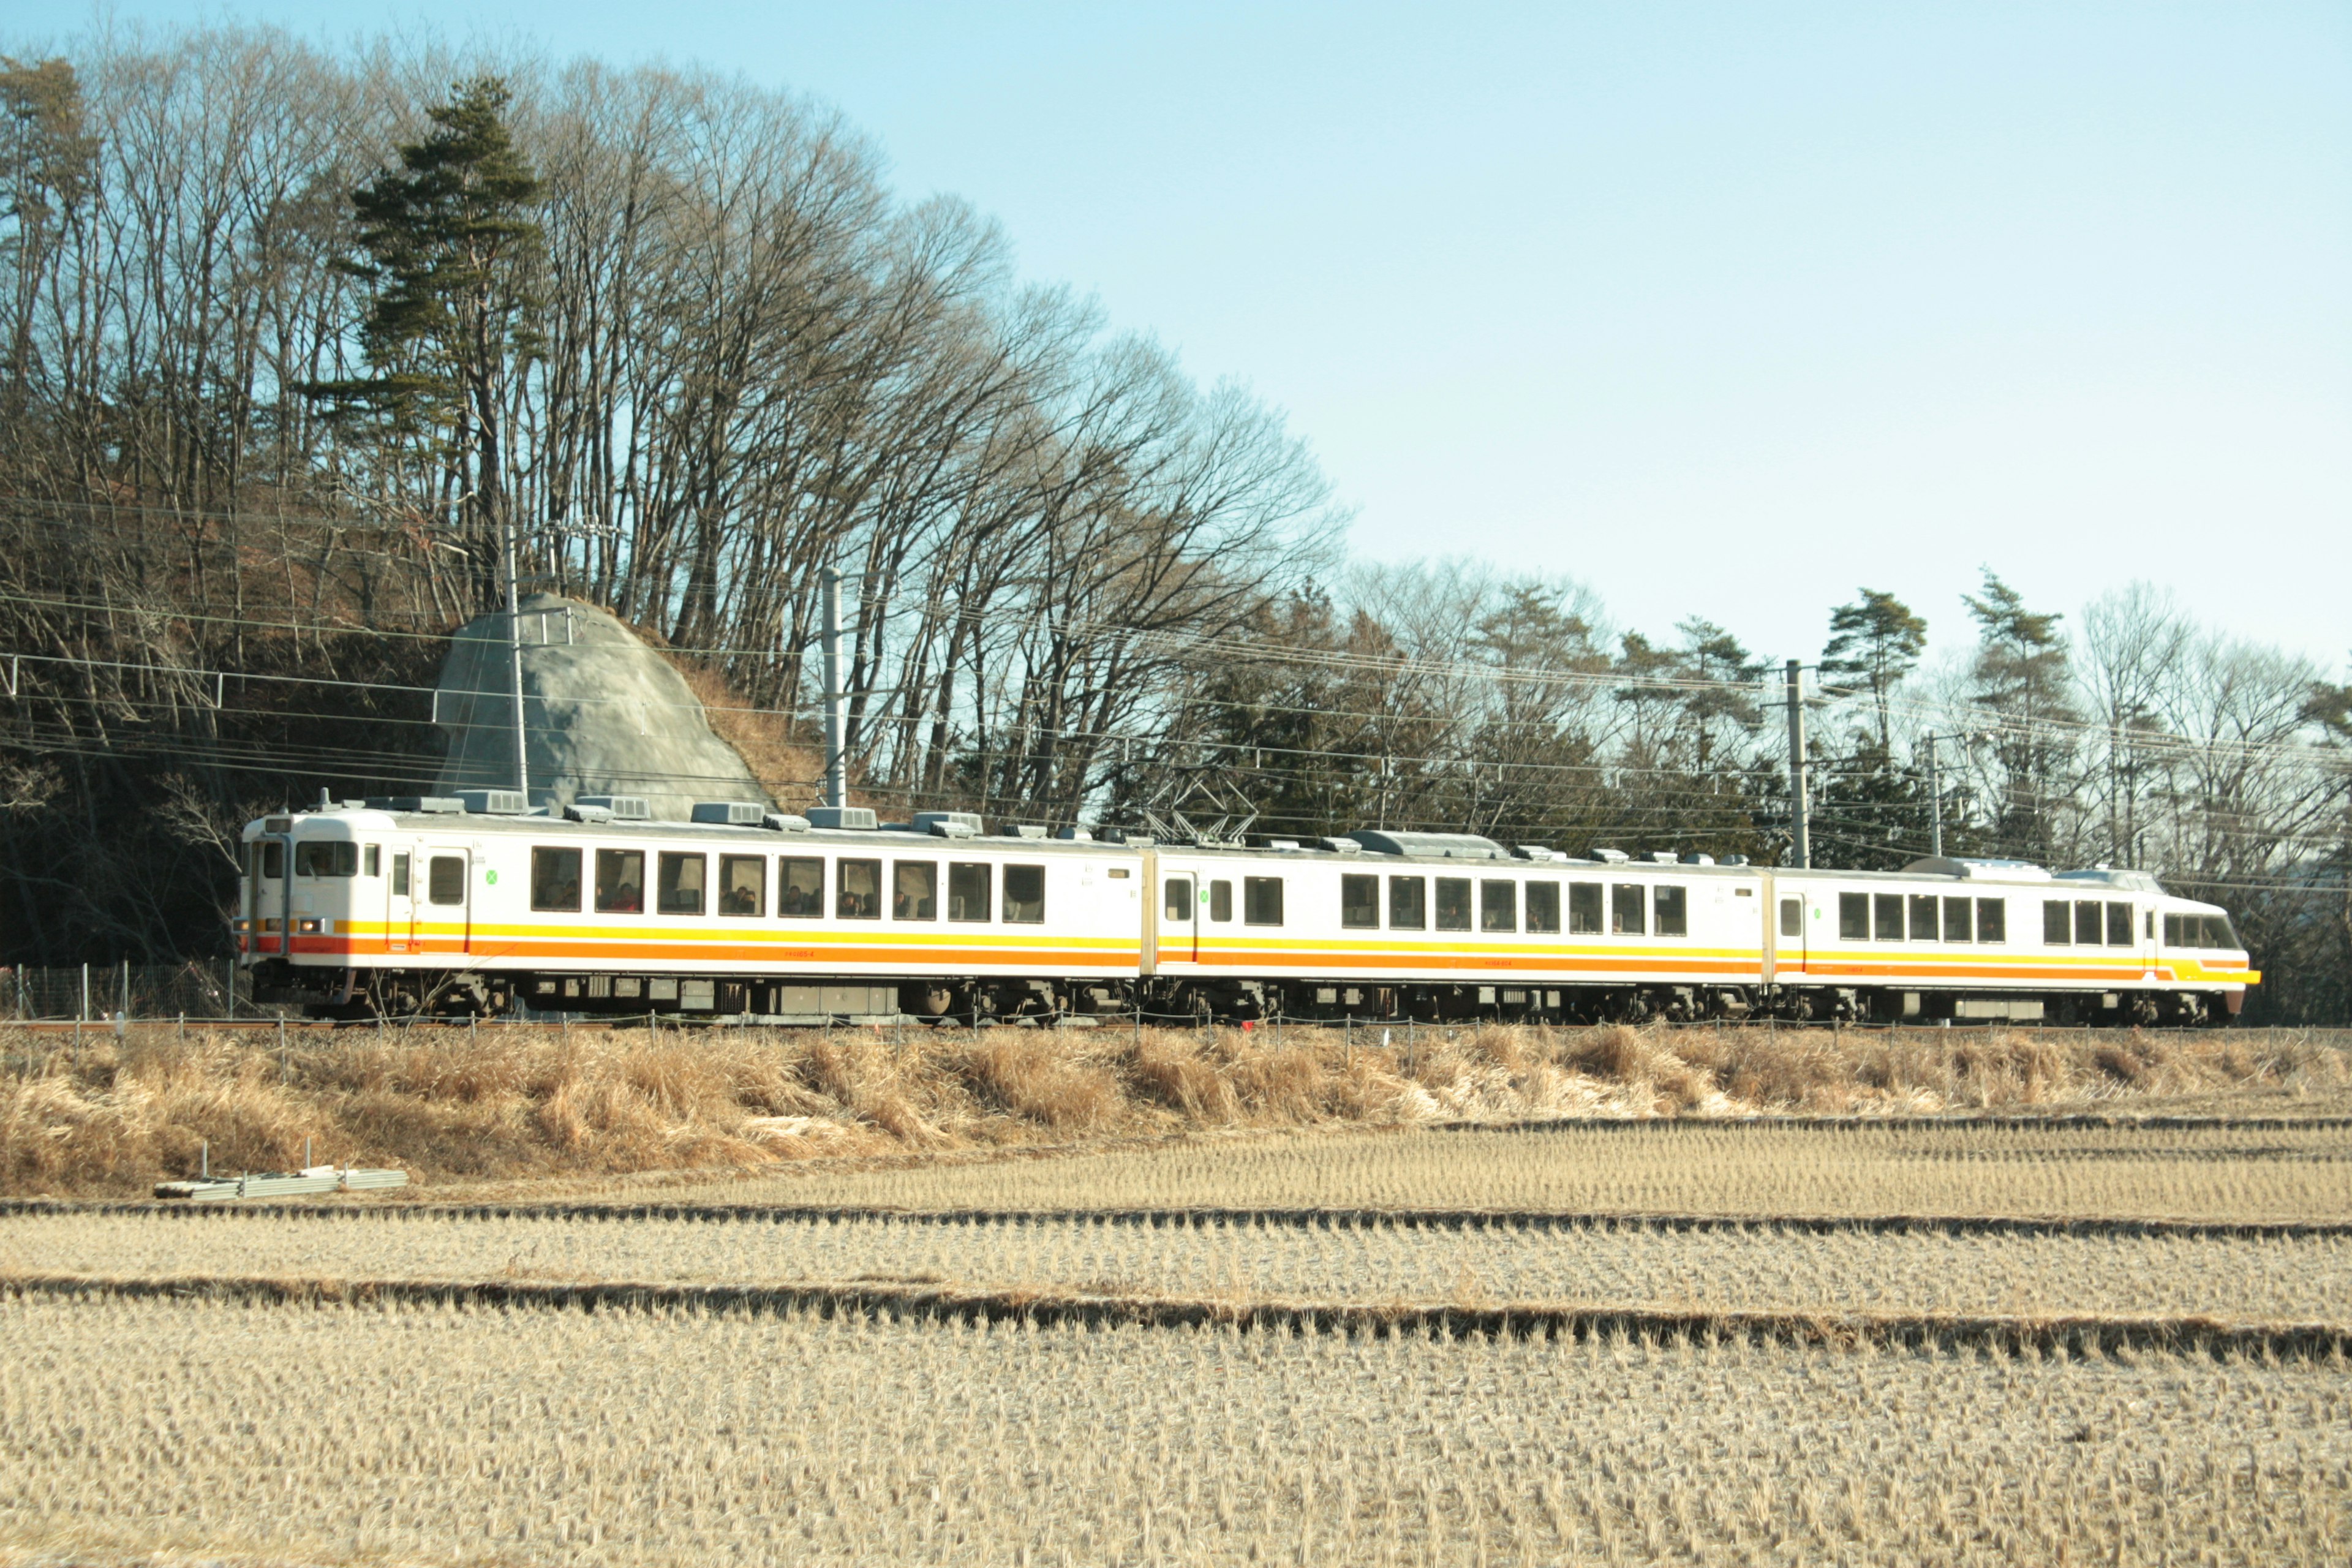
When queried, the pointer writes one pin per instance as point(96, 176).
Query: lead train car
point(356, 911)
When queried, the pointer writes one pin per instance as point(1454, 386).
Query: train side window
point(400, 875)
point(743, 885)
point(1792, 917)
point(682, 883)
point(857, 890)
point(1179, 900)
point(273, 861)
point(1853, 917)
point(1359, 903)
point(1024, 894)
point(1626, 914)
point(446, 879)
point(1454, 903)
point(1992, 920)
point(1672, 912)
point(1408, 903)
point(1543, 907)
point(620, 881)
point(1956, 921)
point(967, 890)
point(1922, 917)
point(2089, 924)
point(2057, 922)
point(372, 865)
point(1886, 917)
point(2119, 924)
point(914, 891)
point(800, 887)
point(1499, 905)
point(1261, 900)
point(555, 879)
point(1584, 909)
point(1221, 900)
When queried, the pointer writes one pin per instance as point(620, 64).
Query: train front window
point(743, 885)
point(800, 887)
point(446, 879)
point(1408, 903)
point(1584, 909)
point(914, 891)
point(1359, 903)
point(682, 883)
point(2220, 933)
point(1955, 920)
point(1024, 894)
point(1543, 909)
point(1922, 917)
point(1626, 913)
point(1498, 906)
point(1179, 907)
point(857, 891)
point(620, 881)
point(320, 859)
point(269, 860)
point(968, 884)
point(555, 879)
point(1673, 905)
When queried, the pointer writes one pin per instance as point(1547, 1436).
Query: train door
point(1179, 918)
point(400, 899)
point(1790, 929)
point(448, 884)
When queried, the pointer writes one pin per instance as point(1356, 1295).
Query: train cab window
point(800, 887)
point(1584, 909)
point(272, 858)
point(324, 859)
point(968, 889)
point(1359, 903)
point(682, 884)
point(2217, 932)
point(1499, 905)
point(2090, 924)
point(371, 861)
point(1179, 900)
point(620, 881)
point(2057, 923)
point(1221, 900)
point(1792, 917)
point(1024, 894)
point(446, 879)
point(857, 891)
point(1408, 903)
point(555, 879)
point(2119, 924)
point(1992, 920)
point(914, 891)
point(1673, 909)
point(743, 885)
point(1453, 904)
point(1886, 917)
point(1853, 917)
point(1956, 924)
point(1261, 900)
point(1626, 913)
point(1543, 907)
point(2173, 936)
point(1922, 917)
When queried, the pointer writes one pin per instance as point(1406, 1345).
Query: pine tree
point(2022, 674)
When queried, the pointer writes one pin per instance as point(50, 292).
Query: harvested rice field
point(2274, 1171)
point(1749, 1267)
point(302, 1432)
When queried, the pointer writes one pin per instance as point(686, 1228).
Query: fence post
point(126, 991)
point(85, 1001)
point(231, 993)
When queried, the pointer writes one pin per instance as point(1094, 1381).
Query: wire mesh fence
point(199, 988)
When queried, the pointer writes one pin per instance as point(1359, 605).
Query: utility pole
point(1799, 810)
point(836, 793)
point(514, 651)
point(1935, 805)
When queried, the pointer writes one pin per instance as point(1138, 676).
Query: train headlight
point(308, 928)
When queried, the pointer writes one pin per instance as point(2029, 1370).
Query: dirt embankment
point(453, 1104)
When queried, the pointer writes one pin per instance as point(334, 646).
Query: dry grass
point(1749, 1270)
point(302, 1432)
point(530, 1102)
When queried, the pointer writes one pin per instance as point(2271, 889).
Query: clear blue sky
point(1724, 309)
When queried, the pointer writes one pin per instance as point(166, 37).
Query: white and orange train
point(471, 904)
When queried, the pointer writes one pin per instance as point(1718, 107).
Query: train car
point(472, 904)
